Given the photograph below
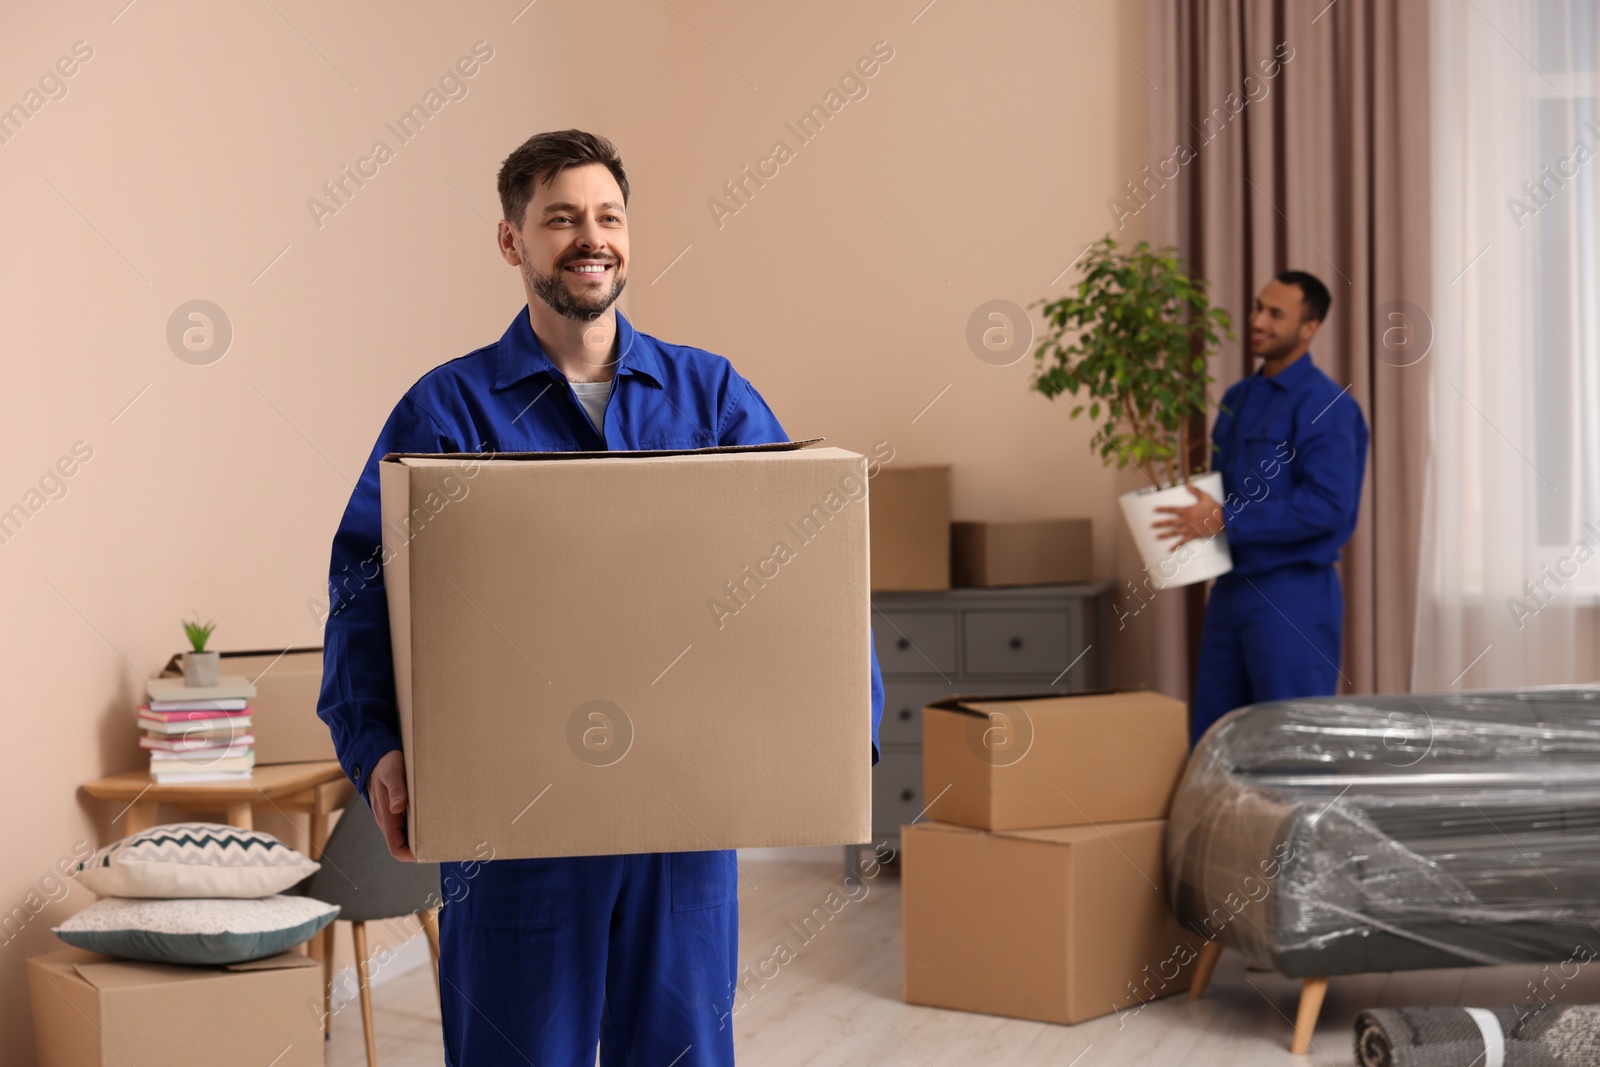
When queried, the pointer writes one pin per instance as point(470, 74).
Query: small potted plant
point(199, 666)
point(1130, 343)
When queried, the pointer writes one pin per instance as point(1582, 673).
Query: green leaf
point(1133, 338)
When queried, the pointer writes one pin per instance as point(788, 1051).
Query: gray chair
point(368, 884)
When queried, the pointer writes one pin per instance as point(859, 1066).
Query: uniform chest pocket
point(701, 879)
point(1268, 454)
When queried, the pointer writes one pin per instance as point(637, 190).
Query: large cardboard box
point(283, 713)
point(90, 1009)
point(1046, 552)
point(602, 653)
point(1059, 925)
point(911, 528)
point(1050, 760)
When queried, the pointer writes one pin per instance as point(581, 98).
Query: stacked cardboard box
point(284, 709)
point(1042, 552)
point(910, 508)
point(90, 1009)
point(916, 547)
point(1039, 893)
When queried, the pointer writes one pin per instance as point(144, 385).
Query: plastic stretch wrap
point(1346, 835)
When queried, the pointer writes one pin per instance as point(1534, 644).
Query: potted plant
point(199, 666)
point(1130, 343)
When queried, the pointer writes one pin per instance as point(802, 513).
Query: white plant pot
point(1193, 562)
point(200, 668)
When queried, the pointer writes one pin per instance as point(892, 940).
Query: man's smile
point(589, 269)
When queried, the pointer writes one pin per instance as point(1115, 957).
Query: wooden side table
point(318, 789)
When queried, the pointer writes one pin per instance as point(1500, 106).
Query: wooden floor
point(838, 1001)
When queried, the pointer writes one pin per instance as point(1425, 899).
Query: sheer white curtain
point(1511, 538)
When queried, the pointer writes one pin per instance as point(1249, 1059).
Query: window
point(1565, 194)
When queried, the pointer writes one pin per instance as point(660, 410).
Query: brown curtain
point(1295, 136)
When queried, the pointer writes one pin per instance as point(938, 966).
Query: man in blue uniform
point(540, 959)
point(1292, 449)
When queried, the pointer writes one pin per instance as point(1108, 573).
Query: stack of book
point(198, 733)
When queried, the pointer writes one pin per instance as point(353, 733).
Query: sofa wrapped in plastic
point(1343, 835)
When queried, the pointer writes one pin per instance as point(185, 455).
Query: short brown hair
point(544, 155)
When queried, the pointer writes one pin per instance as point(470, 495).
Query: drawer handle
point(905, 714)
point(903, 644)
point(1016, 642)
point(907, 794)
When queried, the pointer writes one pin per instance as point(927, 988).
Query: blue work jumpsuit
point(1292, 450)
point(542, 958)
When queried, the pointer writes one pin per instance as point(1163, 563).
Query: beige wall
point(178, 166)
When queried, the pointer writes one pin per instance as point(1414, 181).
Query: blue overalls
point(1292, 450)
point(542, 958)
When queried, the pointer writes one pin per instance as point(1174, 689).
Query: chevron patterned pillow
point(194, 859)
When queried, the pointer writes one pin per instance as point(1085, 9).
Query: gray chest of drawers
point(996, 642)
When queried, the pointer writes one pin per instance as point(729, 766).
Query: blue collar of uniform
point(520, 354)
point(1293, 374)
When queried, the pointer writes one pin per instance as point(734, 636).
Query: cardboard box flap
point(411, 459)
point(1051, 835)
point(64, 961)
point(109, 973)
point(282, 961)
point(114, 974)
point(1077, 835)
point(943, 828)
point(981, 703)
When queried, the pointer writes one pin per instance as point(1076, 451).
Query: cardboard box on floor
point(283, 713)
point(1058, 925)
point(1045, 552)
point(602, 653)
point(90, 1009)
point(911, 528)
point(1024, 762)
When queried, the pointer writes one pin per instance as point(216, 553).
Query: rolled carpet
point(1551, 1035)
